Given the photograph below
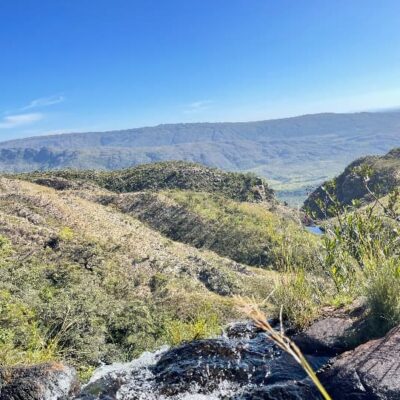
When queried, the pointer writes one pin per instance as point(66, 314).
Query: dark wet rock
point(287, 391)
point(106, 388)
point(247, 363)
point(332, 335)
point(370, 372)
point(340, 330)
point(208, 362)
point(51, 381)
point(240, 330)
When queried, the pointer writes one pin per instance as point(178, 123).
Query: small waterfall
point(229, 367)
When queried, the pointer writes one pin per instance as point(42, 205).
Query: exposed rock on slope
point(52, 381)
point(121, 285)
point(166, 175)
point(349, 186)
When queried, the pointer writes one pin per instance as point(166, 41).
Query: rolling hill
point(94, 267)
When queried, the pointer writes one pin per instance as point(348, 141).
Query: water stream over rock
point(241, 364)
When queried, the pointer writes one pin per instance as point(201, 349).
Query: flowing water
point(316, 230)
point(239, 365)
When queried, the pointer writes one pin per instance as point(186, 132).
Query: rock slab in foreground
point(51, 381)
point(371, 371)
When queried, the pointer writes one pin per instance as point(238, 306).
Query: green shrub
point(382, 290)
point(299, 295)
point(362, 257)
point(204, 325)
point(66, 234)
point(21, 340)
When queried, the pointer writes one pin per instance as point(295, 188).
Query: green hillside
point(255, 234)
point(165, 175)
point(362, 181)
point(89, 274)
point(99, 266)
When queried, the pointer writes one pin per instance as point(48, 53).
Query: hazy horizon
point(55, 133)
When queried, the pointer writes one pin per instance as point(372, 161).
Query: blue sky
point(87, 65)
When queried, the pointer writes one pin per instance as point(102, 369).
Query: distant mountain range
point(293, 153)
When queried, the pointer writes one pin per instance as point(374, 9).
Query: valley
point(295, 154)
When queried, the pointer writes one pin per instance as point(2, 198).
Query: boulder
point(50, 381)
point(247, 361)
point(371, 371)
point(340, 330)
point(287, 391)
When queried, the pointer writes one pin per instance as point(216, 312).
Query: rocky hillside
point(294, 153)
point(90, 274)
point(196, 205)
point(383, 174)
point(166, 175)
point(248, 233)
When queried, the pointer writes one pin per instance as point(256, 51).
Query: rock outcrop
point(369, 372)
point(236, 366)
point(245, 365)
point(51, 381)
point(349, 185)
point(339, 330)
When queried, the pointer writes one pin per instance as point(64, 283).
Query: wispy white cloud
point(13, 121)
point(44, 102)
point(197, 106)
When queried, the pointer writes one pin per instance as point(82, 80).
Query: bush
point(359, 258)
point(203, 325)
point(66, 234)
point(382, 290)
point(21, 339)
point(362, 257)
point(300, 296)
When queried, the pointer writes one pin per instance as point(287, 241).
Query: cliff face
point(383, 175)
